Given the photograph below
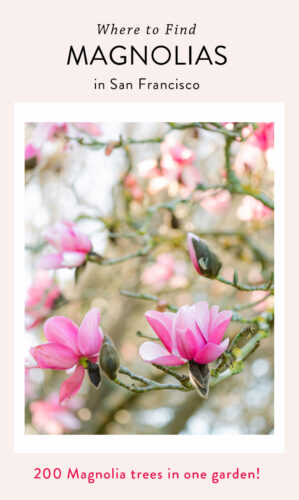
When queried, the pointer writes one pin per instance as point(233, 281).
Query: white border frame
point(148, 112)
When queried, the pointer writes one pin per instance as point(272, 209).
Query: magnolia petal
point(63, 331)
point(161, 323)
point(210, 352)
point(219, 327)
point(50, 261)
point(187, 344)
point(68, 241)
point(54, 355)
point(73, 259)
point(53, 237)
point(214, 311)
point(83, 243)
point(72, 384)
point(90, 336)
point(202, 318)
point(152, 352)
point(185, 319)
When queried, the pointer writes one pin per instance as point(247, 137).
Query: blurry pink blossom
point(257, 295)
point(51, 418)
point(41, 297)
point(30, 391)
point(163, 271)
point(193, 333)
point(69, 345)
point(93, 129)
point(175, 165)
point(189, 178)
point(181, 155)
point(263, 136)
point(247, 159)
point(47, 131)
point(72, 246)
point(164, 168)
point(32, 152)
point(131, 183)
point(215, 202)
point(253, 209)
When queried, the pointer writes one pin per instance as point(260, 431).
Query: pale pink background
point(262, 67)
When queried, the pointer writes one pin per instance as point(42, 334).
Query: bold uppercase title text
point(170, 52)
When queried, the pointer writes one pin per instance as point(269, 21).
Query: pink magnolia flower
point(69, 345)
point(162, 271)
point(41, 297)
point(253, 209)
point(51, 418)
point(72, 246)
point(193, 333)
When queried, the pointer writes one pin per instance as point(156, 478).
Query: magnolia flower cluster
point(193, 333)
point(176, 164)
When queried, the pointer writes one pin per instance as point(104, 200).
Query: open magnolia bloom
point(72, 246)
point(194, 334)
point(68, 346)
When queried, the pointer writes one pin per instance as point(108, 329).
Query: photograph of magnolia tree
point(149, 258)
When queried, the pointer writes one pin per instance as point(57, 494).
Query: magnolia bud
point(94, 374)
point(109, 360)
point(200, 376)
point(204, 260)
point(175, 223)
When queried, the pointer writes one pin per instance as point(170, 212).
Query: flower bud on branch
point(203, 259)
point(94, 374)
point(109, 359)
point(200, 376)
